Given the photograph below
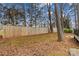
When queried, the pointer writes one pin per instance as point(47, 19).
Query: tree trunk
point(78, 14)
point(75, 16)
point(58, 23)
point(35, 17)
point(49, 14)
point(31, 15)
point(61, 11)
point(24, 15)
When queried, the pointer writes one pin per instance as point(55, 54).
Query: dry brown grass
point(44, 44)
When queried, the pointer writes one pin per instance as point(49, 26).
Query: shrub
point(67, 30)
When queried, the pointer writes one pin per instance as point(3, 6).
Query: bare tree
point(49, 14)
point(24, 14)
point(58, 23)
point(61, 12)
point(78, 14)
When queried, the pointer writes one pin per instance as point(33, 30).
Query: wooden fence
point(15, 31)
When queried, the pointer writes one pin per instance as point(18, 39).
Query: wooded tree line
point(10, 15)
point(40, 15)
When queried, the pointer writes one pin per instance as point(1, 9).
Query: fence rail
point(15, 31)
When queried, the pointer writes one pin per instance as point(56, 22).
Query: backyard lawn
point(38, 45)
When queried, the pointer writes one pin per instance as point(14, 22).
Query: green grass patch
point(66, 30)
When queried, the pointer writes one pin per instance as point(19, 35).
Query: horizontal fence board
point(15, 31)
